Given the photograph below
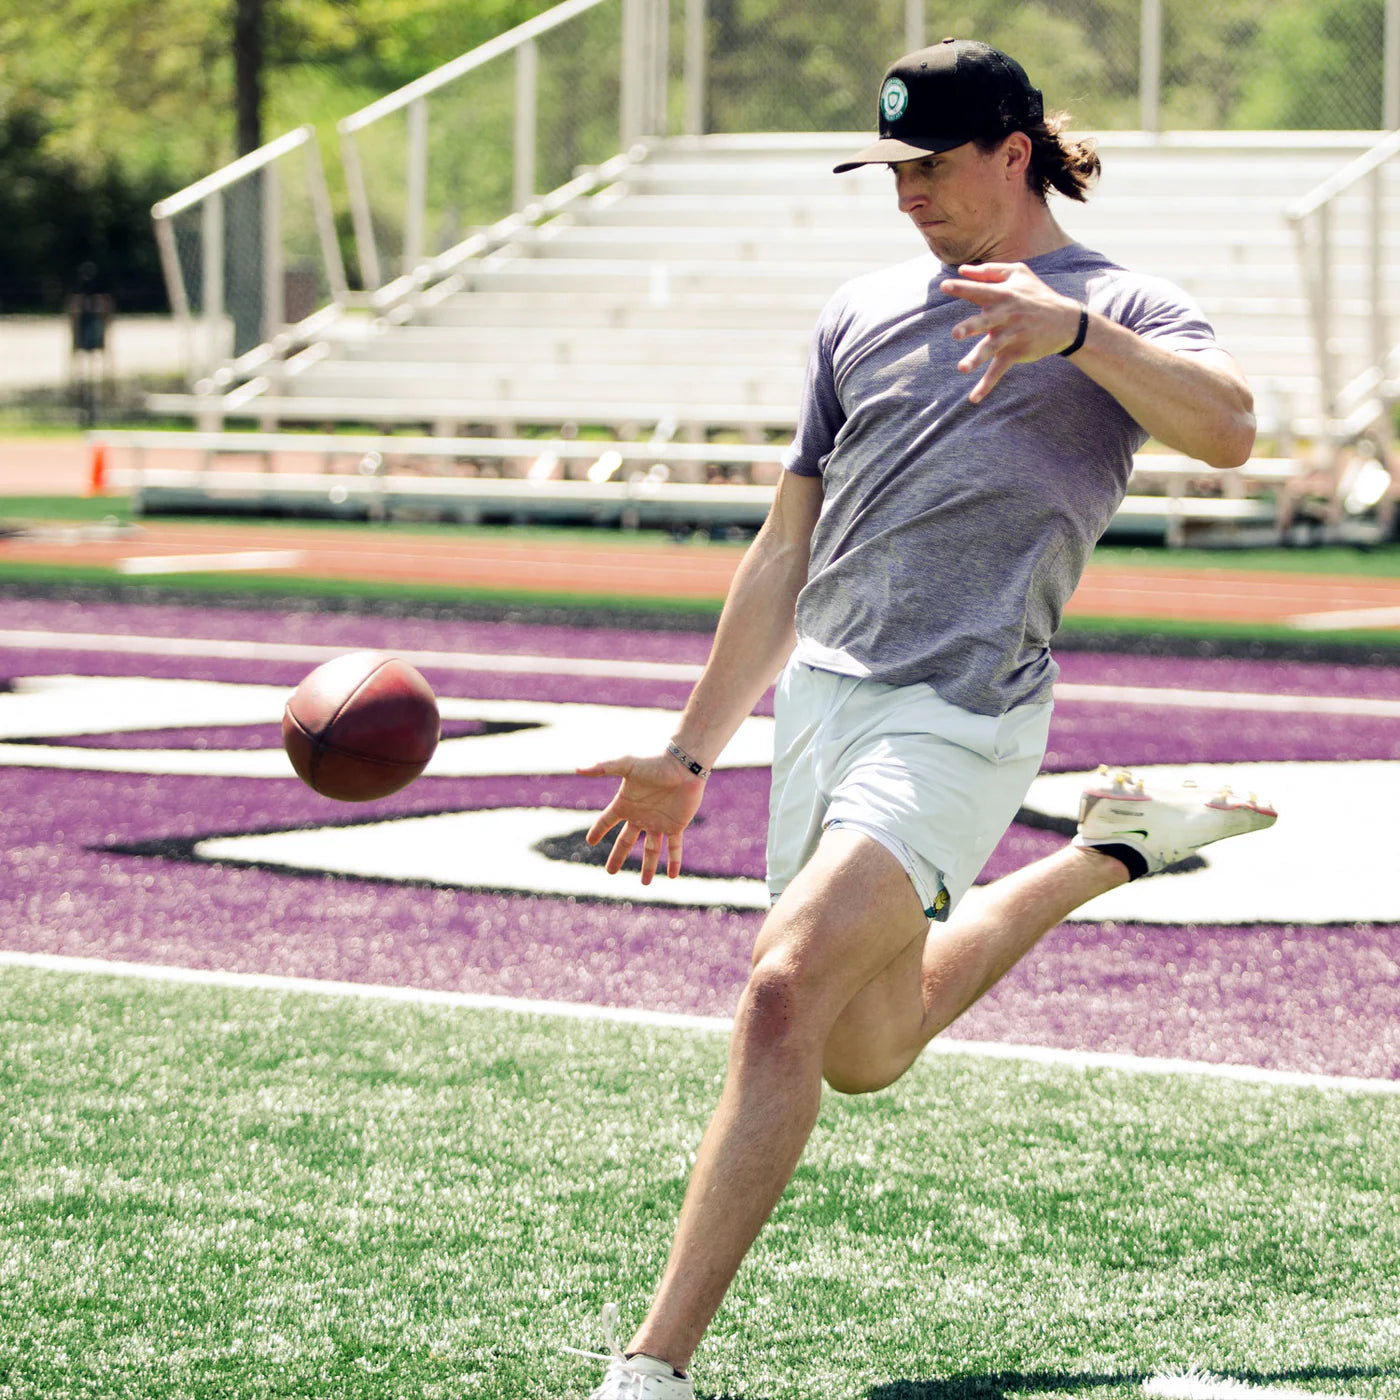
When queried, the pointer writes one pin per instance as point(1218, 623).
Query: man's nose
point(910, 194)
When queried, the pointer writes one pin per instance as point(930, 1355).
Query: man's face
point(962, 201)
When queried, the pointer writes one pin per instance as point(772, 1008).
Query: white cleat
point(1163, 825)
point(634, 1377)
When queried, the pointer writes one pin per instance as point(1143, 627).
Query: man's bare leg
point(845, 955)
point(846, 916)
point(887, 1024)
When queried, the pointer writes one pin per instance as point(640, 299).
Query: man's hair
point(1058, 163)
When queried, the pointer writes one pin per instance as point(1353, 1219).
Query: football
point(362, 726)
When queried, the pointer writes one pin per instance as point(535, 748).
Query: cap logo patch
point(894, 98)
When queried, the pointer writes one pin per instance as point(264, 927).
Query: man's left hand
point(1019, 318)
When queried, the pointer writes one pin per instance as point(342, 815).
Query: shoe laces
point(614, 1352)
point(621, 1364)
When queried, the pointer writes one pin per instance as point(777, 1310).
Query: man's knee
point(780, 1005)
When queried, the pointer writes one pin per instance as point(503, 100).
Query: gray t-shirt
point(951, 533)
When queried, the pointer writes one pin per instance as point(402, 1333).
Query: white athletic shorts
point(936, 785)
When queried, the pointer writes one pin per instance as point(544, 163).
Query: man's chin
point(943, 248)
point(946, 252)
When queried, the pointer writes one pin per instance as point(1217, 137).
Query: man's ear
point(1016, 152)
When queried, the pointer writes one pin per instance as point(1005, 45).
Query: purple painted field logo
point(519, 847)
point(148, 814)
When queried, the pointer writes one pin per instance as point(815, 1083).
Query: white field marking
point(476, 1001)
point(1231, 700)
point(555, 735)
point(1343, 618)
point(1309, 868)
point(314, 653)
point(233, 562)
point(1196, 1384)
point(495, 848)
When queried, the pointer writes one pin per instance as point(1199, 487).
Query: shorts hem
point(934, 901)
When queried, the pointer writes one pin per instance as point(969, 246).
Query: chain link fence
point(778, 65)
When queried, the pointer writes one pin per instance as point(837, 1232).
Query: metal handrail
point(642, 112)
point(231, 173)
point(1346, 177)
point(1355, 406)
point(449, 72)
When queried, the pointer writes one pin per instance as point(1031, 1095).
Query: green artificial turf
point(64, 509)
point(227, 1193)
point(1375, 561)
point(1240, 634)
point(21, 509)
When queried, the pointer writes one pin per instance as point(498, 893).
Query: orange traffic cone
point(97, 479)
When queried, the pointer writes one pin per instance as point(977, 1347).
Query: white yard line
point(239, 561)
point(1231, 700)
point(1033, 1054)
point(1202, 1385)
point(313, 653)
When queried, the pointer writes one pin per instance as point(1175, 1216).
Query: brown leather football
point(361, 726)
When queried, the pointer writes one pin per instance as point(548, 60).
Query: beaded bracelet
point(680, 755)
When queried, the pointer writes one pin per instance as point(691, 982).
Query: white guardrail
point(1367, 398)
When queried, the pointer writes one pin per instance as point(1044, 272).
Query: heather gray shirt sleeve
point(952, 534)
point(821, 416)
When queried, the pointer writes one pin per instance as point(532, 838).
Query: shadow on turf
point(992, 1384)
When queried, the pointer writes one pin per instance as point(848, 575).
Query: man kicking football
point(919, 553)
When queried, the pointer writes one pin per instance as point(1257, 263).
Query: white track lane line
point(1030, 1054)
point(313, 653)
point(1344, 618)
point(1196, 1384)
point(246, 560)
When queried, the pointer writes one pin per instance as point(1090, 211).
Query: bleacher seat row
point(674, 305)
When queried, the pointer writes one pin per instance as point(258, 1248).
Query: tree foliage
point(106, 105)
point(105, 102)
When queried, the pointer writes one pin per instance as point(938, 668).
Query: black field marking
point(573, 849)
point(570, 849)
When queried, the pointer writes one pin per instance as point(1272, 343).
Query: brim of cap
point(888, 151)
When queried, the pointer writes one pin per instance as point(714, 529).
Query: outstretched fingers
point(622, 848)
point(653, 804)
point(627, 838)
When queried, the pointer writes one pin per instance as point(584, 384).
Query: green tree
point(1318, 65)
point(106, 105)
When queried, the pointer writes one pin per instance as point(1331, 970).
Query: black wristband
point(1082, 332)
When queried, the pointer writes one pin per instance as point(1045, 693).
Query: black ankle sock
point(1136, 863)
point(631, 1355)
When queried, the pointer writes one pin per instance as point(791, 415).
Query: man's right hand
point(656, 801)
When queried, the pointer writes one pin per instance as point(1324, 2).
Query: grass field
point(228, 1193)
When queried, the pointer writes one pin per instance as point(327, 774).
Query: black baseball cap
point(937, 98)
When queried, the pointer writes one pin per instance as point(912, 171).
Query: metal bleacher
point(635, 354)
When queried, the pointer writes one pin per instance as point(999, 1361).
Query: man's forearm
point(756, 634)
point(1196, 403)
